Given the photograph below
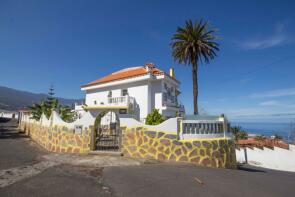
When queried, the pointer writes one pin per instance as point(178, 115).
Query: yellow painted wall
point(141, 143)
point(58, 139)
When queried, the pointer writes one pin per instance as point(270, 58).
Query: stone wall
point(58, 138)
point(141, 143)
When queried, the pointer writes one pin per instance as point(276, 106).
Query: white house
point(134, 92)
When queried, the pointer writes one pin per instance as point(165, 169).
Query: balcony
point(121, 102)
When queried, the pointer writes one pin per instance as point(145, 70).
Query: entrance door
point(108, 133)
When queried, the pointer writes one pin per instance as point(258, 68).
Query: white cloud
point(274, 103)
point(274, 93)
point(266, 43)
point(270, 103)
point(278, 37)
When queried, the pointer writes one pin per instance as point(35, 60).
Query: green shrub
point(154, 118)
point(238, 133)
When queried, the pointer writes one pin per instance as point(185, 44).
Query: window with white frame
point(124, 92)
point(110, 94)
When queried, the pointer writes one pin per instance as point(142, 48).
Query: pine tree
point(49, 105)
point(51, 102)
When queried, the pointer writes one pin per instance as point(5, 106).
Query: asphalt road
point(147, 180)
point(168, 180)
point(16, 149)
point(18, 152)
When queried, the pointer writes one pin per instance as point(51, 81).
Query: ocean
point(266, 129)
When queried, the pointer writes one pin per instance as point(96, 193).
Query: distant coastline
point(266, 129)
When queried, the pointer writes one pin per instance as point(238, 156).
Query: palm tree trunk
point(195, 87)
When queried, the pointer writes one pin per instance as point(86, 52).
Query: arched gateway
point(107, 131)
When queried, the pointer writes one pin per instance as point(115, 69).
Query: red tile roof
point(126, 73)
point(262, 143)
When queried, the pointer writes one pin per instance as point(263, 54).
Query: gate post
point(93, 138)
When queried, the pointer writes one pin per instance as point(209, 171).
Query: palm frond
point(194, 42)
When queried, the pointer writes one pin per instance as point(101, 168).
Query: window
point(165, 96)
point(165, 86)
point(78, 129)
point(124, 92)
point(123, 111)
point(169, 92)
point(110, 94)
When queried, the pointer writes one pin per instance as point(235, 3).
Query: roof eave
point(109, 83)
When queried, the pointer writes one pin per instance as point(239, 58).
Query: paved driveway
point(28, 170)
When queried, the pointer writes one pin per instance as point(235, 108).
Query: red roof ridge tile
point(127, 73)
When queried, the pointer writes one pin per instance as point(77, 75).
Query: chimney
point(171, 72)
point(149, 67)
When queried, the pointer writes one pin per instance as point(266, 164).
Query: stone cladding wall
point(142, 143)
point(58, 139)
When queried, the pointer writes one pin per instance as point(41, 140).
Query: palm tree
point(238, 133)
point(278, 137)
point(260, 139)
point(192, 44)
point(66, 113)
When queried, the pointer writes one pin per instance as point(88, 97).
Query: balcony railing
point(205, 127)
point(122, 100)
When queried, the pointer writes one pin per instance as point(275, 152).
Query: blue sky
point(69, 43)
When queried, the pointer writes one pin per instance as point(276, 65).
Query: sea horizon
point(266, 128)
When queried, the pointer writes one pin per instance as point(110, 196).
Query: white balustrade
point(192, 129)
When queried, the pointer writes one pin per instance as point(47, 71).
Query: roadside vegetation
point(238, 133)
point(154, 118)
point(49, 105)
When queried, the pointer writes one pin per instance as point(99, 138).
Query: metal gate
point(108, 138)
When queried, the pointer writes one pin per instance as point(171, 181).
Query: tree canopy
point(49, 105)
point(154, 118)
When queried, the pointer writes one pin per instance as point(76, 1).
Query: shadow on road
point(4, 120)
point(249, 169)
point(8, 129)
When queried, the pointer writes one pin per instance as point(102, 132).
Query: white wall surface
point(110, 117)
point(278, 159)
point(44, 121)
point(240, 155)
point(156, 95)
point(169, 126)
point(138, 90)
point(8, 115)
point(148, 93)
point(86, 120)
